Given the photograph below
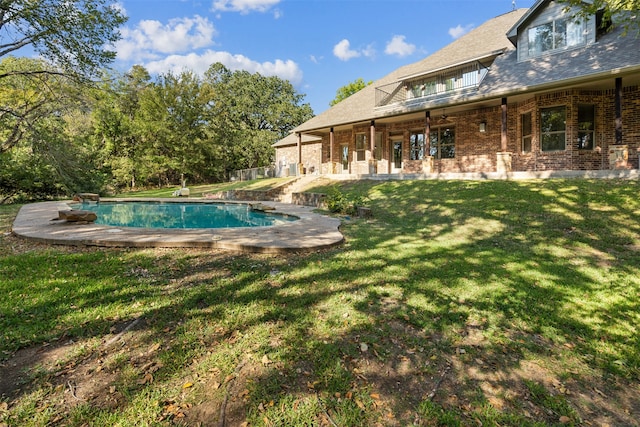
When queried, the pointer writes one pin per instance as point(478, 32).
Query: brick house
point(531, 90)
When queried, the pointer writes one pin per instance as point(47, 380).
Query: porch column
point(618, 153)
point(300, 170)
point(503, 128)
point(331, 141)
point(373, 163)
point(427, 162)
point(618, 110)
point(504, 157)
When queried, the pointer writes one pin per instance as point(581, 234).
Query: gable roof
point(512, 34)
point(486, 39)
point(292, 139)
point(614, 54)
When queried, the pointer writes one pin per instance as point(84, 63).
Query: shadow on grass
point(462, 295)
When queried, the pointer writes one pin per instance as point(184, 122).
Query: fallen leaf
point(564, 419)
point(147, 379)
point(187, 385)
point(375, 396)
point(265, 360)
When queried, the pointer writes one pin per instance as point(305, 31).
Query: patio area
point(39, 221)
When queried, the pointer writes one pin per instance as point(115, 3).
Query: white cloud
point(343, 51)
point(199, 63)
point(180, 45)
point(369, 51)
point(399, 47)
point(459, 31)
point(151, 38)
point(243, 6)
point(119, 7)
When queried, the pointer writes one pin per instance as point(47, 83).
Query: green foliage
point(343, 203)
point(45, 151)
point(76, 36)
point(349, 89)
point(151, 132)
point(616, 12)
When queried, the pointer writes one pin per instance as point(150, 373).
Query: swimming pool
point(181, 215)
point(310, 232)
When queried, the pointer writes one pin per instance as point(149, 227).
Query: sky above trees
point(318, 45)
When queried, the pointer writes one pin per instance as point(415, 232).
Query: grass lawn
point(203, 190)
point(460, 303)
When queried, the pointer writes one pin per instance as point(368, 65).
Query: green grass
point(511, 303)
point(203, 190)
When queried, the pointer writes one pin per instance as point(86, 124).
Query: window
point(397, 154)
point(361, 146)
point(554, 35)
point(586, 126)
point(377, 152)
point(416, 146)
point(527, 131)
point(442, 143)
point(344, 157)
point(552, 128)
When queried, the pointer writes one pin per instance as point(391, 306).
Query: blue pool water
point(180, 215)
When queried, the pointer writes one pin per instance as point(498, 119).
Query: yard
point(511, 303)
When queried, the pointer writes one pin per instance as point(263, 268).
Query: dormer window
point(555, 35)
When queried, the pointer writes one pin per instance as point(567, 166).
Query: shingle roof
point(292, 139)
point(613, 54)
point(614, 51)
point(485, 39)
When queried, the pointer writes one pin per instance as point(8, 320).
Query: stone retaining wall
point(317, 200)
point(301, 199)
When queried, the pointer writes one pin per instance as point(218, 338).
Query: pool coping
point(312, 231)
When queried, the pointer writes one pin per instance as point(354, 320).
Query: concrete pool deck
point(39, 222)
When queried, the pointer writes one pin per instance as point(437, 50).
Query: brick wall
point(477, 151)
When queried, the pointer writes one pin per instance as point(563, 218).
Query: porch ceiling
point(629, 79)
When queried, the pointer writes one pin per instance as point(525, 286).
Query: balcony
point(431, 85)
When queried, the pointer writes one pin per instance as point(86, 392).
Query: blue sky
point(318, 45)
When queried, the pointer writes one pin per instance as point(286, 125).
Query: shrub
point(339, 202)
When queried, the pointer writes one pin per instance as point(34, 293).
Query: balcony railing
point(431, 85)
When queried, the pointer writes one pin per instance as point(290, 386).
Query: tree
point(249, 113)
point(73, 39)
point(117, 129)
point(618, 12)
point(349, 89)
point(45, 118)
point(173, 121)
point(75, 36)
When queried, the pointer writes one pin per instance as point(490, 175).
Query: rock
point(261, 207)
point(81, 197)
point(76, 215)
point(183, 192)
point(364, 212)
